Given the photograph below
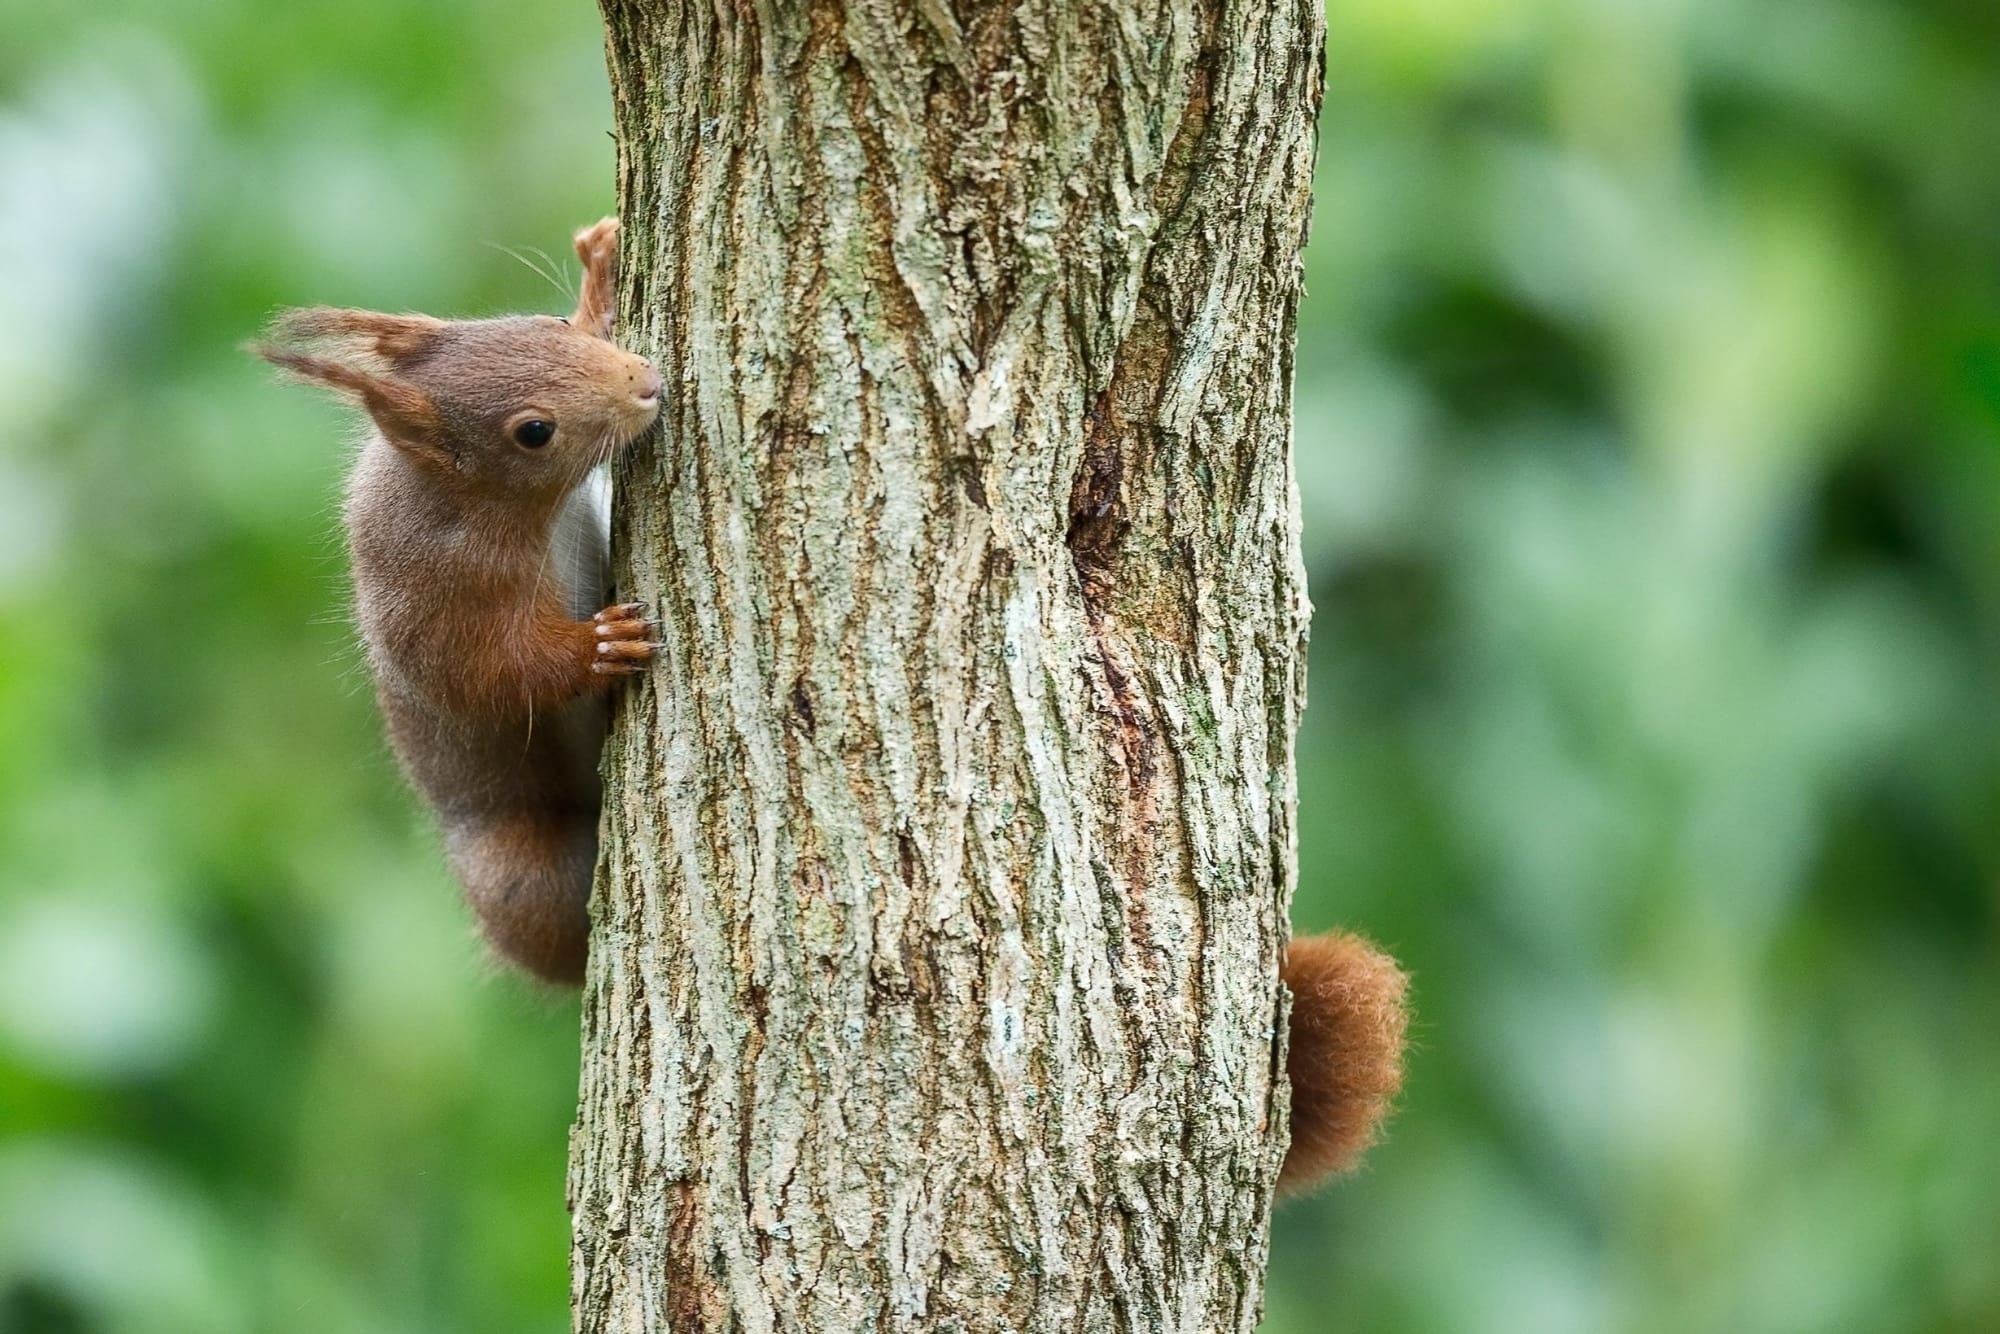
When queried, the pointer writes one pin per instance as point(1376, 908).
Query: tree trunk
point(935, 976)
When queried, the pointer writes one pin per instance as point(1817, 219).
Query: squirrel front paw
point(623, 642)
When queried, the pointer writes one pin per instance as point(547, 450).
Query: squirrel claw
point(621, 611)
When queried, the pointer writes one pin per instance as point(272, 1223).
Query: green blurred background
point(1649, 436)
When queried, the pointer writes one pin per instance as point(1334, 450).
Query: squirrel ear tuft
point(405, 413)
point(396, 338)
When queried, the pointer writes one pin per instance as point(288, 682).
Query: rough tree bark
point(947, 852)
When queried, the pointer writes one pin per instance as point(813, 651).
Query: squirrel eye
point(536, 433)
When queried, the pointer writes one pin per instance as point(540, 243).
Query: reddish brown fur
point(478, 565)
point(1349, 1016)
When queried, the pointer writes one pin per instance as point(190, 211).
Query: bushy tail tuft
point(1349, 1017)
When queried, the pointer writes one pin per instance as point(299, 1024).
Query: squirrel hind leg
point(1349, 1017)
point(527, 878)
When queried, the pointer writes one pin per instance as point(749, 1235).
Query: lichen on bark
point(934, 980)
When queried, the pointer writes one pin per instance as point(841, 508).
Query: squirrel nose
point(649, 384)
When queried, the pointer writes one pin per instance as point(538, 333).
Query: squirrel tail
point(1349, 1018)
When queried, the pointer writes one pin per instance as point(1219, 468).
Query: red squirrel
point(479, 557)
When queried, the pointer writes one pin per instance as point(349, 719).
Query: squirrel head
point(521, 405)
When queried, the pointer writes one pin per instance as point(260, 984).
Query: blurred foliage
point(1649, 438)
